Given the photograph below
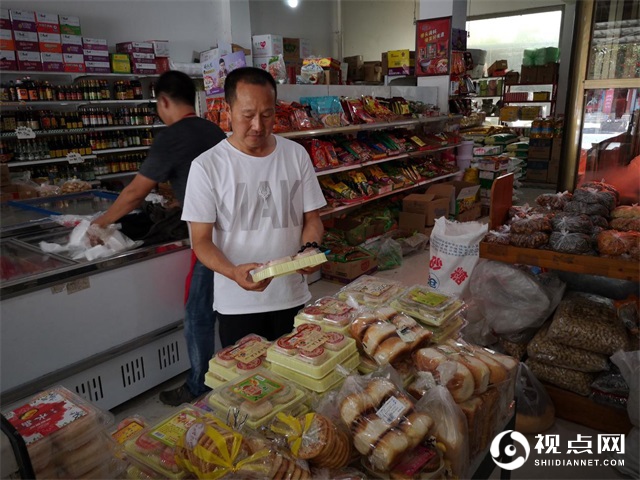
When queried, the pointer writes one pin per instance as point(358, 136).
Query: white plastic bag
point(513, 300)
point(455, 250)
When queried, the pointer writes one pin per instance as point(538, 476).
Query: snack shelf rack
point(122, 150)
point(75, 103)
point(71, 131)
point(109, 176)
point(47, 160)
point(332, 211)
point(354, 166)
point(75, 75)
point(411, 122)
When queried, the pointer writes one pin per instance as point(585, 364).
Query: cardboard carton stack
point(8, 59)
point(141, 56)
point(25, 40)
point(538, 159)
point(398, 62)
point(294, 50)
point(96, 55)
point(50, 41)
point(264, 47)
point(331, 67)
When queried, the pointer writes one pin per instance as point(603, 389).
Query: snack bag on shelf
point(357, 111)
point(283, 118)
point(318, 153)
point(300, 118)
point(337, 190)
point(374, 108)
point(327, 110)
point(383, 419)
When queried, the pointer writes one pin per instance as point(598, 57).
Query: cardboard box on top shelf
point(411, 223)
point(52, 62)
point(99, 44)
point(355, 67)
point(548, 73)
point(540, 148)
point(290, 48)
point(26, 41)
point(160, 47)
point(29, 61)
point(266, 45)
point(528, 75)
point(512, 78)
point(72, 44)
point(372, 72)
point(6, 40)
point(134, 47)
point(50, 42)
point(5, 19)
point(23, 20)
point(497, 68)
point(398, 62)
point(8, 60)
point(47, 23)
point(70, 25)
point(120, 63)
point(324, 62)
point(332, 77)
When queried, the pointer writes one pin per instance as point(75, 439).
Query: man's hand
point(242, 276)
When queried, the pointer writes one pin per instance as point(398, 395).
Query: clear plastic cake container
point(288, 267)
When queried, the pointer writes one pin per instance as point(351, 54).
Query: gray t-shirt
point(175, 147)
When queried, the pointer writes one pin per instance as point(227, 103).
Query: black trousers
point(270, 325)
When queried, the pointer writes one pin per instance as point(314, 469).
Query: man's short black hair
point(177, 86)
point(250, 75)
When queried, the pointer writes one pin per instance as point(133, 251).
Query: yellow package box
point(120, 63)
point(509, 114)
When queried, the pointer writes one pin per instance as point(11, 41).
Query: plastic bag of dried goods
point(570, 242)
point(513, 299)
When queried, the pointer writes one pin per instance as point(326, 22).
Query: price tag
point(74, 157)
point(391, 410)
point(25, 133)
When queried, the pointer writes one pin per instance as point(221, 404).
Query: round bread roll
point(416, 427)
point(355, 405)
point(379, 389)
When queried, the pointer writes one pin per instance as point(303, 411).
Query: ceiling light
point(292, 3)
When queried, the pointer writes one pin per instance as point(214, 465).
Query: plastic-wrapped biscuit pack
point(66, 436)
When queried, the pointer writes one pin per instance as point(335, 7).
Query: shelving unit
point(568, 405)
point(552, 95)
point(47, 160)
point(110, 176)
point(71, 131)
point(76, 103)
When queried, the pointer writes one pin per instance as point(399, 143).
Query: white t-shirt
point(257, 205)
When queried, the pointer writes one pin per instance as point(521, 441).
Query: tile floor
point(414, 271)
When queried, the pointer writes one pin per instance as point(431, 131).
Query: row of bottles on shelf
point(548, 127)
point(84, 118)
point(58, 147)
point(88, 170)
point(28, 90)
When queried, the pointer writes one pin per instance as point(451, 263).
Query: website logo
point(498, 453)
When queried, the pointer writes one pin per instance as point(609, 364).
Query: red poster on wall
point(433, 46)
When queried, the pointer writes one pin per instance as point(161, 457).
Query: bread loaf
point(388, 450)
point(368, 431)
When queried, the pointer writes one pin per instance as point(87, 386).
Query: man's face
point(253, 116)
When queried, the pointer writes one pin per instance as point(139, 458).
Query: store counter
point(107, 329)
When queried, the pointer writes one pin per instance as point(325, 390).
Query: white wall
point(490, 7)
point(375, 26)
point(188, 24)
point(311, 19)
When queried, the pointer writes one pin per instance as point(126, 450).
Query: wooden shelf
point(584, 411)
point(585, 264)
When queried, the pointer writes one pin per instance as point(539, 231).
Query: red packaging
point(47, 23)
point(8, 61)
point(162, 64)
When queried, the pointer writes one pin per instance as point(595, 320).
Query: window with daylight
point(506, 38)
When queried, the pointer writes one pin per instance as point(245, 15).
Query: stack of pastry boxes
point(255, 398)
point(436, 311)
point(247, 355)
point(65, 435)
point(309, 356)
point(151, 451)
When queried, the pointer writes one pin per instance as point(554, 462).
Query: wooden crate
point(584, 411)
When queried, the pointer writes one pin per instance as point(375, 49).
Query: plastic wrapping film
point(246, 355)
point(525, 240)
point(592, 195)
point(575, 206)
point(545, 350)
point(64, 434)
point(626, 211)
point(602, 187)
point(572, 223)
point(533, 223)
point(626, 224)
point(589, 322)
point(210, 449)
point(628, 311)
point(615, 243)
point(315, 438)
point(499, 236)
point(572, 380)
point(328, 311)
point(535, 410)
point(387, 336)
point(382, 419)
point(370, 291)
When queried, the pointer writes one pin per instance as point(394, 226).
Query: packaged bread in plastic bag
point(572, 380)
point(545, 350)
point(382, 418)
point(589, 322)
point(388, 336)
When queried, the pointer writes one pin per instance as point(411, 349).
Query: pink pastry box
point(248, 354)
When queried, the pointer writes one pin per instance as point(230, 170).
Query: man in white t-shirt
point(253, 198)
